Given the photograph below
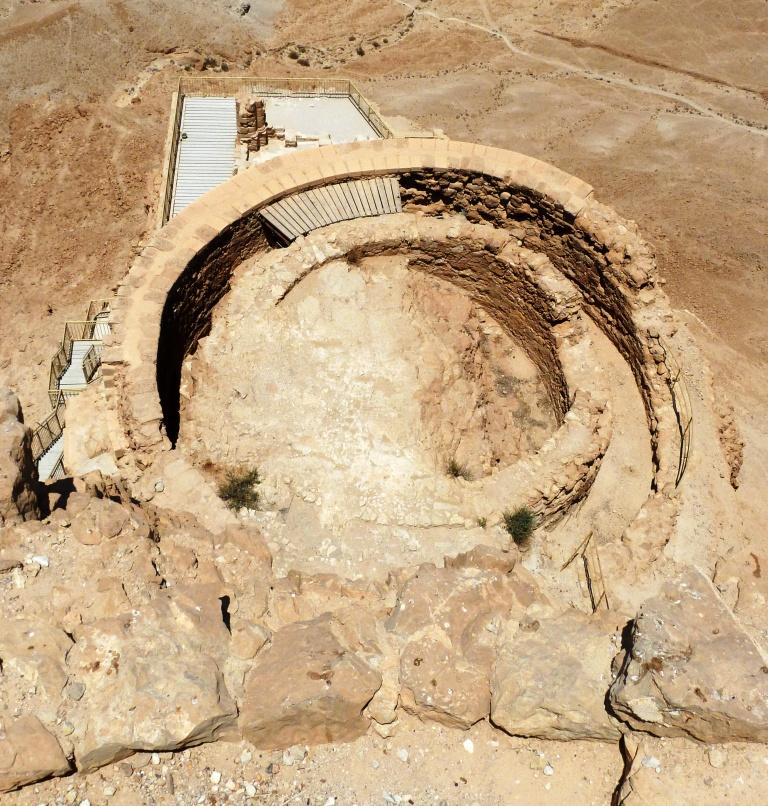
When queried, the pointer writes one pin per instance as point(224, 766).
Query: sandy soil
point(661, 106)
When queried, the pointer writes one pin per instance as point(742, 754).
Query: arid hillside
point(661, 106)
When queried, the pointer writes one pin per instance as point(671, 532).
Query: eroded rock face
point(691, 670)
point(18, 474)
point(448, 620)
point(310, 686)
point(152, 678)
point(28, 753)
point(551, 676)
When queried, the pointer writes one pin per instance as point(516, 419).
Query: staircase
point(73, 367)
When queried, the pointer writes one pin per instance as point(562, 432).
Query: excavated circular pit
point(397, 381)
point(523, 243)
point(373, 398)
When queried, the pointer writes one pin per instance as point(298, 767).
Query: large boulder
point(309, 686)
point(19, 496)
point(551, 676)
point(447, 621)
point(152, 678)
point(691, 670)
point(28, 753)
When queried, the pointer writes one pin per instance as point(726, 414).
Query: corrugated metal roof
point(206, 153)
point(302, 212)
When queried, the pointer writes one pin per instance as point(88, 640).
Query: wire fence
point(216, 86)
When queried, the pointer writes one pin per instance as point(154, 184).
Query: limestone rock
point(488, 558)
point(33, 666)
point(19, 500)
point(28, 753)
point(308, 687)
point(87, 444)
point(551, 676)
point(102, 519)
point(448, 620)
point(741, 582)
point(247, 638)
point(302, 597)
point(152, 679)
point(691, 670)
point(244, 563)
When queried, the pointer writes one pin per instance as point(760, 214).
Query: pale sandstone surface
point(87, 444)
point(691, 670)
point(550, 677)
point(364, 382)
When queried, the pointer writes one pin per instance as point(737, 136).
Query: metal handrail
point(49, 430)
point(91, 363)
point(87, 330)
point(58, 472)
point(93, 328)
point(96, 307)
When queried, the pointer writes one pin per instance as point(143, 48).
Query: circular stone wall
point(570, 240)
point(364, 506)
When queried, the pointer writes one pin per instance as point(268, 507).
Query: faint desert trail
point(593, 75)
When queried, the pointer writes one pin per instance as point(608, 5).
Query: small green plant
point(457, 470)
point(520, 525)
point(482, 522)
point(238, 489)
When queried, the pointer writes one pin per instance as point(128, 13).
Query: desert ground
point(662, 107)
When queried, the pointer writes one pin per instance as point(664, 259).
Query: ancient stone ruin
point(517, 355)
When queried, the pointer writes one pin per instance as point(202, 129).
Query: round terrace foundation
point(525, 242)
point(358, 450)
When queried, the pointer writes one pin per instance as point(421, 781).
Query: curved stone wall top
point(220, 220)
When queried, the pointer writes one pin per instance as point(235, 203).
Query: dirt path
point(593, 75)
